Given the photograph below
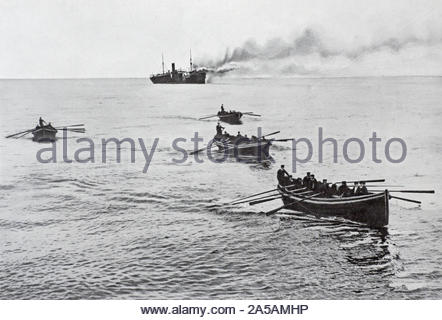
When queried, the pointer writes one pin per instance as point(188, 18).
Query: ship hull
point(194, 77)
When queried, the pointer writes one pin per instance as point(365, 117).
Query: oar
point(75, 130)
point(252, 114)
point(271, 134)
point(252, 203)
point(22, 135)
point(289, 204)
point(406, 191)
point(199, 150)
point(16, 134)
point(207, 117)
point(405, 199)
point(374, 180)
point(72, 125)
point(283, 140)
point(384, 185)
point(260, 198)
point(253, 195)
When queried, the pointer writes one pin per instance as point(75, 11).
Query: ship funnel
point(173, 67)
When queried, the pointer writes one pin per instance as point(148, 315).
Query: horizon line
point(239, 77)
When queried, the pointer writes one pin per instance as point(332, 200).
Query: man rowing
point(356, 189)
point(344, 190)
point(363, 189)
point(306, 180)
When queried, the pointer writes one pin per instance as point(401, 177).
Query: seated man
point(323, 188)
point(344, 190)
point(313, 183)
point(363, 190)
point(305, 181)
point(333, 191)
point(355, 190)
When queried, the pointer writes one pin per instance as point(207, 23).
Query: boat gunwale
point(330, 201)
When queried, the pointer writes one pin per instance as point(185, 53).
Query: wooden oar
point(253, 195)
point(289, 204)
point(22, 135)
point(384, 185)
point(283, 140)
point(199, 150)
point(252, 114)
point(405, 199)
point(207, 117)
point(252, 203)
point(260, 198)
point(72, 125)
point(406, 191)
point(271, 134)
point(75, 130)
point(374, 180)
point(16, 134)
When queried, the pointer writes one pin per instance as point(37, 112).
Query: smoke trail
point(306, 54)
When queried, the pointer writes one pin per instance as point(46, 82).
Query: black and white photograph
point(214, 151)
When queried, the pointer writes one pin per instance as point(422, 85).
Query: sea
point(98, 228)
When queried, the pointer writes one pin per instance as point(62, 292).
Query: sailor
point(239, 134)
point(313, 182)
point(333, 190)
point(323, 187)
point(344, 190)
point(281, 175)
point(355, 190)
point(41, 122)
point(363, 190)
point(305, 181)
point(219, 128)
point(222, 108)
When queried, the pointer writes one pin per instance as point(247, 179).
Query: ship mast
point(191, 60)
point(162, 61)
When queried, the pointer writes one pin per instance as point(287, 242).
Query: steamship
point(180, 76)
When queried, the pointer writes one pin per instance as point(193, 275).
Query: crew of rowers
point(324, 188)
point(225, 135)
point(42, 123)
point(223, 111)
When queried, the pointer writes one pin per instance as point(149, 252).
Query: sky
point(110, 38)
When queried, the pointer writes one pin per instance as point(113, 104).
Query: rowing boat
point(232, 117)
point(242, 146)
point(44, 134)
point(370, 209)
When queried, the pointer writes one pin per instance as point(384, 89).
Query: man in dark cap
point(306, 180)
point(344, 190)
point(313, 182)
point(281, 175)
point(323, 188)
point(355, 190)
point(363, 190)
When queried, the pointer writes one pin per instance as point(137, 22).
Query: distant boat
point(180, 76)
point(44, 134)
point(231, 117)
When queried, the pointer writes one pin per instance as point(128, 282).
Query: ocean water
point(109, 231)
